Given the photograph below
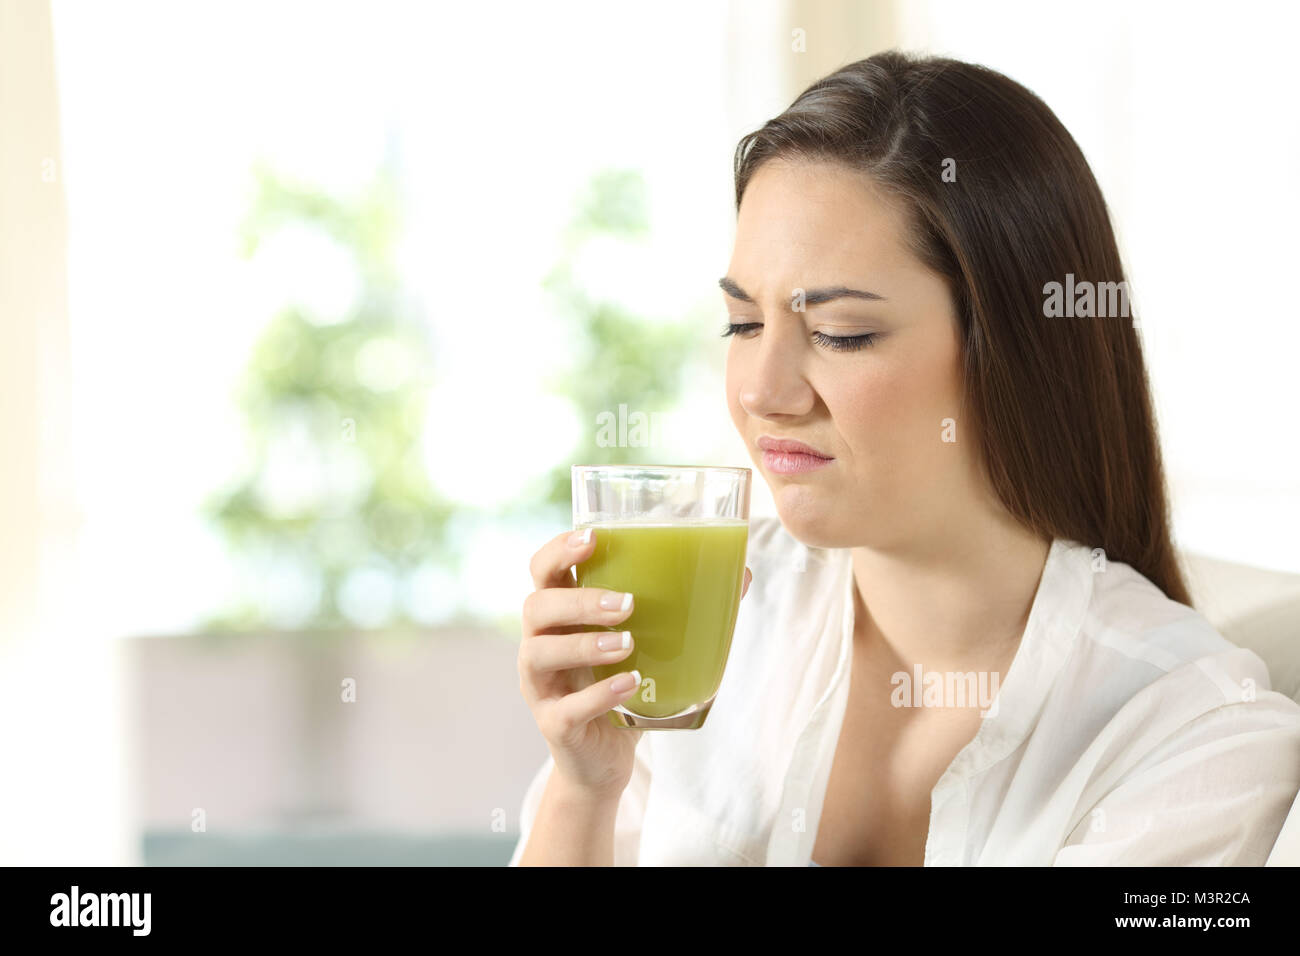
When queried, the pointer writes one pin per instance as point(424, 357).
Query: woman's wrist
point(580, 798)
point(574, 826)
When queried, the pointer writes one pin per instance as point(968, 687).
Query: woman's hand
point(555, 659)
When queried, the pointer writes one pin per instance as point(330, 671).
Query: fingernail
point(615, 642)
point(615, 601)
point(625, 682)
point(579, 538)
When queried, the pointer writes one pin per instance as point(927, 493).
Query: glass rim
point(623, 469)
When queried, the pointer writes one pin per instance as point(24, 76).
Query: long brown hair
point(1061, 405)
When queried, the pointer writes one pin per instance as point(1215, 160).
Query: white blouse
point(1127, 731)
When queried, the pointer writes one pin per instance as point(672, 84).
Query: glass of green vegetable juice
point(674, 536)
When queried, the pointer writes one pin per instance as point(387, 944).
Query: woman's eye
point(845, 343)
point(838, 343)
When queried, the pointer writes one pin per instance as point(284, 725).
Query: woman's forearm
point(571, 828)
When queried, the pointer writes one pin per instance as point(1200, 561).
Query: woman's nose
point(775, 384)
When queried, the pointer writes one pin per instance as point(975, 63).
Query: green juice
point(685, 580)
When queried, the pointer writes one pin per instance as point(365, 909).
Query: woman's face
point(877, 411)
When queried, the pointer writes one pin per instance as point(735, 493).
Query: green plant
point(619, 358)
point(311, 395)
point(340, 405)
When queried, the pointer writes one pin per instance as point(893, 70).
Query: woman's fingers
point(565, 718)
point(748, 577)
point(543, 653)
point(550, 566)
point(564, 607)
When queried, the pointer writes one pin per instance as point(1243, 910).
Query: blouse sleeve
point(627, 822)
point(1214, 793)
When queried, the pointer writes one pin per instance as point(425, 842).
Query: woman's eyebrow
point(810, 296)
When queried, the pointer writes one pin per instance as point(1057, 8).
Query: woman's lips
point(792, 463)
point(787, 456)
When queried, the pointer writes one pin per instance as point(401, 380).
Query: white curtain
point(61, 715)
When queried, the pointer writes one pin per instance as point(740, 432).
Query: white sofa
point(1260, 610)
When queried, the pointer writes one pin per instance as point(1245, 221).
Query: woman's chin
point(811, 521)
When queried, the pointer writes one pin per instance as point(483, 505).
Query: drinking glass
point(675, 536)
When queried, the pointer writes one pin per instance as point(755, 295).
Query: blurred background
point(308, 308)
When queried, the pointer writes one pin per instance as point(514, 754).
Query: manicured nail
point(615, 641)
point(625, 682)
point(580, 538)
point(615, 601)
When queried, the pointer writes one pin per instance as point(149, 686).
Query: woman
point(968, 640)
